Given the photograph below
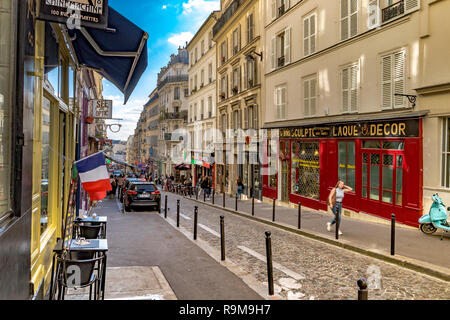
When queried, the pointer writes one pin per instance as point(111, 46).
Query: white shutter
point(275, 102)
point(287, 46)
point(245, 86)
point(273, 48)
point(344, 19)
point(274, 8)
point(286, 4)
point(373, 13)
point(226, 86)
point(240, 79)
point(354, 88)
point(386, 81)
point(312, 33)
point(283, 103)
point(399, 78)
point(353, 17)
point(306, 97)
point(306, 37)
point(313, 95)
point(411, 5)
point(239, 38)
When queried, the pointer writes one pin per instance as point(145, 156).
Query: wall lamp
point(250, 55)
point(411, 98)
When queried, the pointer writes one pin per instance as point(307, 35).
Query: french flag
point(94, 176)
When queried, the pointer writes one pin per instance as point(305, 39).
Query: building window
point(305, 169)
point(310, 96)
point(251, 117)
point(236, 119)
point(346, 165)
point(280, 103)
point(236, 40)
point(445, 176)
point(279, 7)
point(223, 52)
point(393, 80)
point(236, 80)
point(7, 66)
point(309, 35)
point(45, 167)
point(350, 84)
point(202, 47)
point(272, 162)
point(349, 18)
point(210, 72)
point(176, 93)
point(210, 39)
point(224, 87)
point(202, 78)
point(251, 73)
point(202, 109)
point(281, 49)
point(250, 28)
point(210, 107)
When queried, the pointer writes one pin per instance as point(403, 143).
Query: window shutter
point(306, 37)
point(275, 102)
point(354, 88)
point(386, 81)
point(274, 9)
point(373, 13)
point(344, 19)
point(287, 46)
point(411, 5)
point(306, 97)
point(399, 77)
point(353, 17)
point(273, 48)
point(245, 86)
point(245, 118)
point(283, 103)
point(312, 38)
point(239, 37)
point(240, 79)
point(286, 4)
point(226, 86)
point(313, 94)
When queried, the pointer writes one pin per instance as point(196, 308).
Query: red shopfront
point(380, 160)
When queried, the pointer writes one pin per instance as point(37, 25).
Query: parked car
point(126, 183)
point(142, 194)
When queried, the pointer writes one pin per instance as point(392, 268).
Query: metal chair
point(78, 274)
point(89, 230)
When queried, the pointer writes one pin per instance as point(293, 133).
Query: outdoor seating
point(89, 230)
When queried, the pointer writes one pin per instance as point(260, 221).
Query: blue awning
point(119, 53)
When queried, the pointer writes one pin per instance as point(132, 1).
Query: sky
point(169, 23)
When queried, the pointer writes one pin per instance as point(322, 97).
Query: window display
point(305, 169)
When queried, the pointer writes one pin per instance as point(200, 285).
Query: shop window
point(371, 144)
point(346, 167)
point(272, 161)
point(45, 167)
point(7, 32)
point(305, 169)
point(445, 170)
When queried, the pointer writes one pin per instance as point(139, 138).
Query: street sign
point(75, 13)
point(102, 109)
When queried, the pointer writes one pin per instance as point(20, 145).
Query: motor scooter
point(436, 217)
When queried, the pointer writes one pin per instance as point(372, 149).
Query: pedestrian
point(113, 185)
point(120, 183)
point(208, 186)
point(204, 186)
point(240, 187)
point(335, 202)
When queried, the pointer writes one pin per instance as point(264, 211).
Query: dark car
point(125, 185)
point(142, 194)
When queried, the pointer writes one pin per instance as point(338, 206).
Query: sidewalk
point(144, 239)
point(413, 249)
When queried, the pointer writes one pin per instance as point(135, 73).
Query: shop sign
point(76, 13)
point(380, 129)
point(102, 109)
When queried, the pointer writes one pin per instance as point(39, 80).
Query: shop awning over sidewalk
point(119, 53)
point(118, 161)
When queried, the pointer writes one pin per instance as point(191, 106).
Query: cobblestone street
point(304, 268)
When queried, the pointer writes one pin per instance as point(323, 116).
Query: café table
point(102, 220)
point(98, 246)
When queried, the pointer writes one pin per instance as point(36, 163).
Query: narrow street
point(303, 268)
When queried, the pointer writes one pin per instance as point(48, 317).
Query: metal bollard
point(299, 215)
point(269, 262)
point(338, 223)
point(196, 193)
point(363, 292)
point(165, 207)
point(178, 213)
point(236, 202)
point(222, 238)
point(224, 198)
point(273, 211)
point(392, 234)
point(213, 192)
point(204, 195)
point(195, 222)
point(253, 206)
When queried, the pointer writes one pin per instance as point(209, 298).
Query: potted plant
point(222, 95)
point(89, 120)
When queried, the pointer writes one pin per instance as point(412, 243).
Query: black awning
point(118, 53)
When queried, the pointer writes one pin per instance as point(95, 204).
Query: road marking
point(276, 265)
point(118, 205)
point(186, 217)
point(209, 230)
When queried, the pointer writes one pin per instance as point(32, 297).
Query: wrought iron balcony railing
point(281, 10)
point(281, 61)
point(394, 10)
point(171, 79)
point(229, 12)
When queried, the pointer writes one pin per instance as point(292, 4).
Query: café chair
point(89, 231)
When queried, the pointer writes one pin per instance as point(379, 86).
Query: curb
point(408, 263)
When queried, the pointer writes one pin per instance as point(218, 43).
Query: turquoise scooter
point(436, 218)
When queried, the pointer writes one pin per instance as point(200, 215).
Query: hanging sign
point(102, 109)
point(75, 13)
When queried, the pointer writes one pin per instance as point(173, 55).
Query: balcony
point(280, 61)
point(394, 10)
point(281, 10)
point(167, 136)
point(173, 115)
point(173, 79)
point(227, 15)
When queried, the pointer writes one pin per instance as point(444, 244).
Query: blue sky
point(169, 23)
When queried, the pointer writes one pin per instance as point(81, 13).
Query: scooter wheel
point(427, 228)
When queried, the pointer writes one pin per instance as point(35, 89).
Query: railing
point(167, 136)
point(173, 115)
point(229, 12)
point(393, 11)
point(281, 61)
point(281, 10)
point(171, 79)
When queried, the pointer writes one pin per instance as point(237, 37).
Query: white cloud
point(180, 39)
point(164, 7)
point(200, 7)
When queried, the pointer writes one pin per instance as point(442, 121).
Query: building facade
point(152, 110)
point(239, 39)
point(202, 100)
point(335, 102)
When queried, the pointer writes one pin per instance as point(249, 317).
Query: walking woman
point(240, 187)
point(335, 202)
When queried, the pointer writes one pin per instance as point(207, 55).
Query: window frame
point(445, 153)
point(310, 36)
point(308, 80)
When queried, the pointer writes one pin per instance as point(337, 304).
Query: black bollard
point(204, 195)
point(363, 293)
point(222, 238)
point(236, 202)
point(392, 234)
point(178, 213)
point(196, 193)
point(224, 198)
point(165, 207)
point(273, 211)
point(195, 222)
point(338, 223)
point(299, 215)
point(253, 206)
point(269, 262)
point(213, 192)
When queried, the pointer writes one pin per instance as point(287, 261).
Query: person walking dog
point(335, 199)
